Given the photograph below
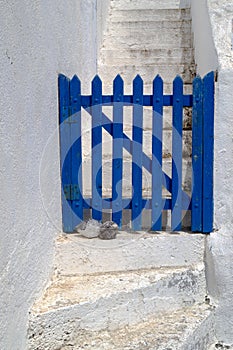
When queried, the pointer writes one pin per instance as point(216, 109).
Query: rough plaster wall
point(220, 243)
point(38, 40)
point(102, 14)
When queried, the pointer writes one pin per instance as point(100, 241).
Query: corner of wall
point(205, 52)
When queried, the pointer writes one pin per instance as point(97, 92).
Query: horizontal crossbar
point(107, 100)
point(127, 203)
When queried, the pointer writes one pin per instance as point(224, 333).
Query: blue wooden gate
point(71, 103)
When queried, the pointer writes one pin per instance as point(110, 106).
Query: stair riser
point(203, 335)
point(142, 35)
point(149, 15)
point(51, 329)
point(150, 4)
point(154, 26)
point(129, 252)
point(152, 36)
point(151, 57)
point(150, 44)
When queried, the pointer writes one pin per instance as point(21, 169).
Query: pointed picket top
point(157, 85)
point(75, 86)
point(158, 79)
point(177, 88)
point(209, 76)
point(138, 79)
point(178, 80)
point(118, 79)
point(62, 76)
point(63, 82)
point(75, 80)
point(118, 84)
point(97, 83)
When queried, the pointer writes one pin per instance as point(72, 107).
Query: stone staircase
point(140, 291)
point(148, 38)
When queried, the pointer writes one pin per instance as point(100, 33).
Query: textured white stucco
point(219, 15)
point(220, 243)
point(205, 52)
point(102, 15)
point(39, 39)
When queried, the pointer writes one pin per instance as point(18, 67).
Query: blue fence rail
point(71, 103)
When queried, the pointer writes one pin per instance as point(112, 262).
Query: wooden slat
point(96, 111)
point(197, 153)
point(137, 153)
point(117, 161)
point(76, 153)
point(65, 142)
point(177, 124)
point(157, 127)
point(208, 146)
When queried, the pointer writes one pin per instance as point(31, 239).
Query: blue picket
point(146, 160)
point(202, 101)
point(65, 155)
point(197, 153)
point(208, 147)
point(117, 157)
point(76, 154)
point(137, 153)
point(157, 134)
point(96, 111)
point(177, 126)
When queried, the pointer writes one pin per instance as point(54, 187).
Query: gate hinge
point(71, 192)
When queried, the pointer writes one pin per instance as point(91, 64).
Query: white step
point(149, 15)
point(151, 43)
point(147, 72)
point(143, 34)
point(128, 252)
point(189, 328)
point(105, 301)
point(176, 38)
point(145, 26)
point(150, 4)
point(151, 57)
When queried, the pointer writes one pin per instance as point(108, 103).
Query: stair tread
point(151, 4)
point(65, 291)
point(150, 15)
point(172, 331)
point(161, 23)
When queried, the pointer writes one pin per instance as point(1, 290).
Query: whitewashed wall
point(212, 24)
point(39, 39)
point(102, 15)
